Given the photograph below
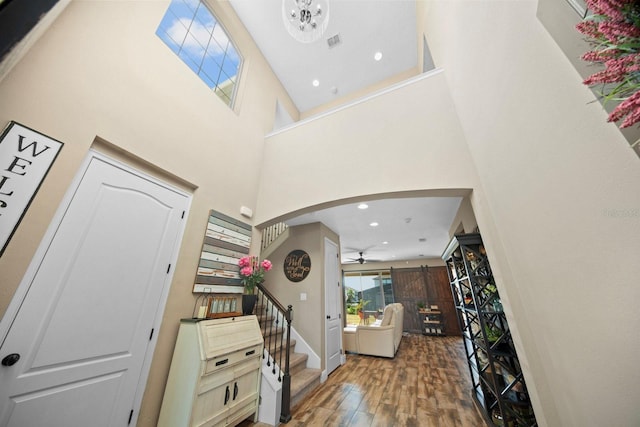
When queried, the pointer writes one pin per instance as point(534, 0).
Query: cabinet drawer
point(216, 379)
point(224, 361)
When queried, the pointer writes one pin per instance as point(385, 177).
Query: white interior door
point(91, 298)
point(333, 306)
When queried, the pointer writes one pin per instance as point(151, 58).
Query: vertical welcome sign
point(25, 159)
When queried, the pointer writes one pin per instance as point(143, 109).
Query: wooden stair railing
point(275, 323)
point(271, 233)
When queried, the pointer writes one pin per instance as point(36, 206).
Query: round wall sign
point(297, 265)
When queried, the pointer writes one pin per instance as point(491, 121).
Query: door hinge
point(151, 335)
point(339, 315)
point(168, 268)
point(130, 416)
point(259, 400)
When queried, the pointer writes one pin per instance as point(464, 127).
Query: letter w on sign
point(25, 159)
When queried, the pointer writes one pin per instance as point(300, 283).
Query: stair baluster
point(279, 319)
point(285, 412)
point(271, 233)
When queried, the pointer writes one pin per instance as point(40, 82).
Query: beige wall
point(559, 208)
point(408, 139)
point(465, 220)
point(308, 316)
point(101, 72)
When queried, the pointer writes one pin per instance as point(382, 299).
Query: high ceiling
point(364, 28)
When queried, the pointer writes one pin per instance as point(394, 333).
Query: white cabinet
point(214, 378)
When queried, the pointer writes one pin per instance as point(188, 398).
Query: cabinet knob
point(10, 359)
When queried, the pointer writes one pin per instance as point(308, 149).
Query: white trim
point(270, 395)
point(579, 6)
point(303, 347)
point(376, 94)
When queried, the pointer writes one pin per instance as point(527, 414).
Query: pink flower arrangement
point(614, 32)
point(252, 271)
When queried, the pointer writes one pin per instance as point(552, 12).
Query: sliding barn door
point(439, 293)
point(429, 285)
point(409, 288)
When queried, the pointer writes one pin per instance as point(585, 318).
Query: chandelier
point(305, 20)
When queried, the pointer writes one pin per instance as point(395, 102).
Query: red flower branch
point(614, 31)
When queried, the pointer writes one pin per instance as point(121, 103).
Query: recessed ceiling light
point(374, 224)
point(315, 83)
point(385, 243)
point(377, 56)
point(422, 239)
point(363, 206)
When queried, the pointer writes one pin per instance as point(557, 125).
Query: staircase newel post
point(285, 411)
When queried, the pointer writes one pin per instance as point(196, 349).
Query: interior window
point(195, 35)
point(366, 295)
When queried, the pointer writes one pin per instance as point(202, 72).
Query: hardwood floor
point(426, 384)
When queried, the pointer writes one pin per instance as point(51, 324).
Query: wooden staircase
point(303, 379)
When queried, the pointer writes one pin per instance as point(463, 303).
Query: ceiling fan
point(361, 259)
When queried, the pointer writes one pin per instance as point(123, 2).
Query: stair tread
point(276, 354)
point(269, 331)
point(274, 347)
point(296, 358)
point(303, 378)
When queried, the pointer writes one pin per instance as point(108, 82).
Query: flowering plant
point(614, 32)
point(252, 271)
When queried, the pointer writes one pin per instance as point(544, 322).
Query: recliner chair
point(380, 339)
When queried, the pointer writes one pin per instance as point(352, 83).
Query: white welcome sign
point(25, 159)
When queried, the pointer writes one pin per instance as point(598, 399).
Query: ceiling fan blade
point(358, 250)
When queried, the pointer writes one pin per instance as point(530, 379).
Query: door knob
point(328, 316)
point(10, 359)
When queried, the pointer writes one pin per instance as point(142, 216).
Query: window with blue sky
point(195, 35)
